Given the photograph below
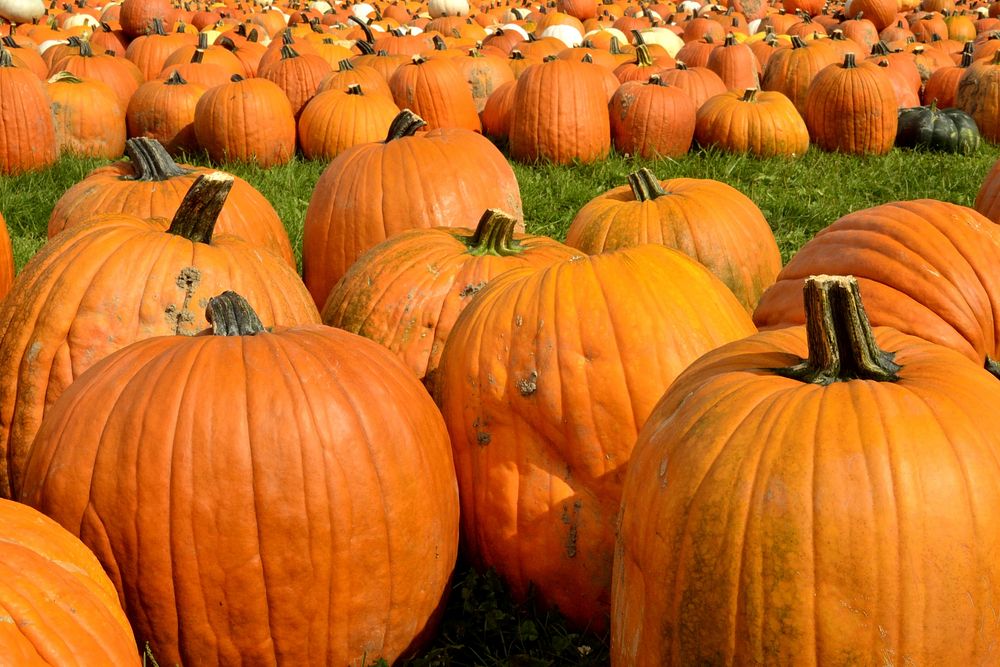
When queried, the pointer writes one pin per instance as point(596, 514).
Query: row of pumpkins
point(553, 89)
point(599, 421)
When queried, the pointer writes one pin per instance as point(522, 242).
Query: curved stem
point(494, 235)
point(405, 124)
point(840, 340)
point(150, 161)
point(199, 210)
point(645, 186)
point(231, 315)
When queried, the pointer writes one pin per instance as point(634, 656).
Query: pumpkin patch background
point(438, 169)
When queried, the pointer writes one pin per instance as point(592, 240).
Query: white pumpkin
point(439, 8)
point(320, 6)
point(665, 37)
point(689, 6)
point(508, 27)
point(566, 34)
point(22, 11)
point(363, 10)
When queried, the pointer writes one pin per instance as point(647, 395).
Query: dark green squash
point(946, 130)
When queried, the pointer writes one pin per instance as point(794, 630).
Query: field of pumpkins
point(522, 333)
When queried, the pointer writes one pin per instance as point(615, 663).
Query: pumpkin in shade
point(979, 96)
point(6, 259)
point(121, 279)
point(546, 378)
point(560, 114)
point(783, 484)
point(651, 119)
point(495, 115)
point(851, 109)
point(309, 513)
point(762, 123)
point(59, 607)
point(87, 116)
point(164, 110)
point(27, 133)
point(152, 185)
point(335, 120)
point(246, 120)
point(371, 192)
point(407, 292)
point(930, 128)
point(708, 220)
point(926, 268)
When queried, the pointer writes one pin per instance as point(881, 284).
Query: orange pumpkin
point(545, 380)
point(305, 505)
point(27, 133)
point(783, 484)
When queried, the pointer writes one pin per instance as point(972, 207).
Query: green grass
point(798, 197)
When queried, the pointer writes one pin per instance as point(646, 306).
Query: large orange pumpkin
point(818, 495)
point(371, 192)
point(259, 497)
point(545, 380)
point(27, 134)
point(57, 606)
point(100, 286)
point(708, 220)
point(407, 292)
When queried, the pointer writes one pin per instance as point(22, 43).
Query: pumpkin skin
point(762, 123)
point(407, 292)
point(87, 117)
point(358, 201)
point(560, 114)
point(707, 220)
point(329, 528)
point(121, 279)
point(246, 120)
point(651, 119)
point(27, 134)
point(164, 110)
point(59, 606)
point(925, 268)
point(543, 411)
point(979, 96)
point(6, 259)
point(335, 120)
point(436, 91)
point(945, 130)
point(801, 504)
point(151, 185)
point(851, 109)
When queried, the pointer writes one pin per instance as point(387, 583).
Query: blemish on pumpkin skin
point(471, 289)
point(528, 385)
point(573, 523)
point(188, 280)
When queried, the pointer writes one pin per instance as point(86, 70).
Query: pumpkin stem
point(288, 52)
point(231, 315)
point(196, 216)
point(494, 235)
point(151, 161)
point(849, 61)
point(369, 36)
point(749, 95)
point(645, 186)
point(405, 124)
point(992, 366)
point(345, 65)
point(642, 57)
point(967, 54)
point(355, 89)
point(841, 343)
point(5, 58)
point(64, 77)
point(365, 48)
point(175, 79)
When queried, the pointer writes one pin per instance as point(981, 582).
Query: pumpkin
point(436, 91)
point(6, 259)
point(762, 123)
point(942, 86)
point(792, 69)
point(545, 380)
point(708, 220)
point(371, 192)
point(560, 114)
point(150, 51)
point(348, 74)
point(27, 133)
point(851, 109)
point(121, 75)
point(59, 607)
point(310, 511)
point(651, 119)
point(152, 185)
point(246, 120)
point(925, 268)
point(335, 120)
point(122, 279)
point(298, 75)
point(496, 113)
point(979, 96)
point(87, 116)
point(946, 130)
point(163, 110)
point(407, 292)
point(783, 484)
point(700, 83)
point(137, 16)
point(22, 11)
point(735, 64)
